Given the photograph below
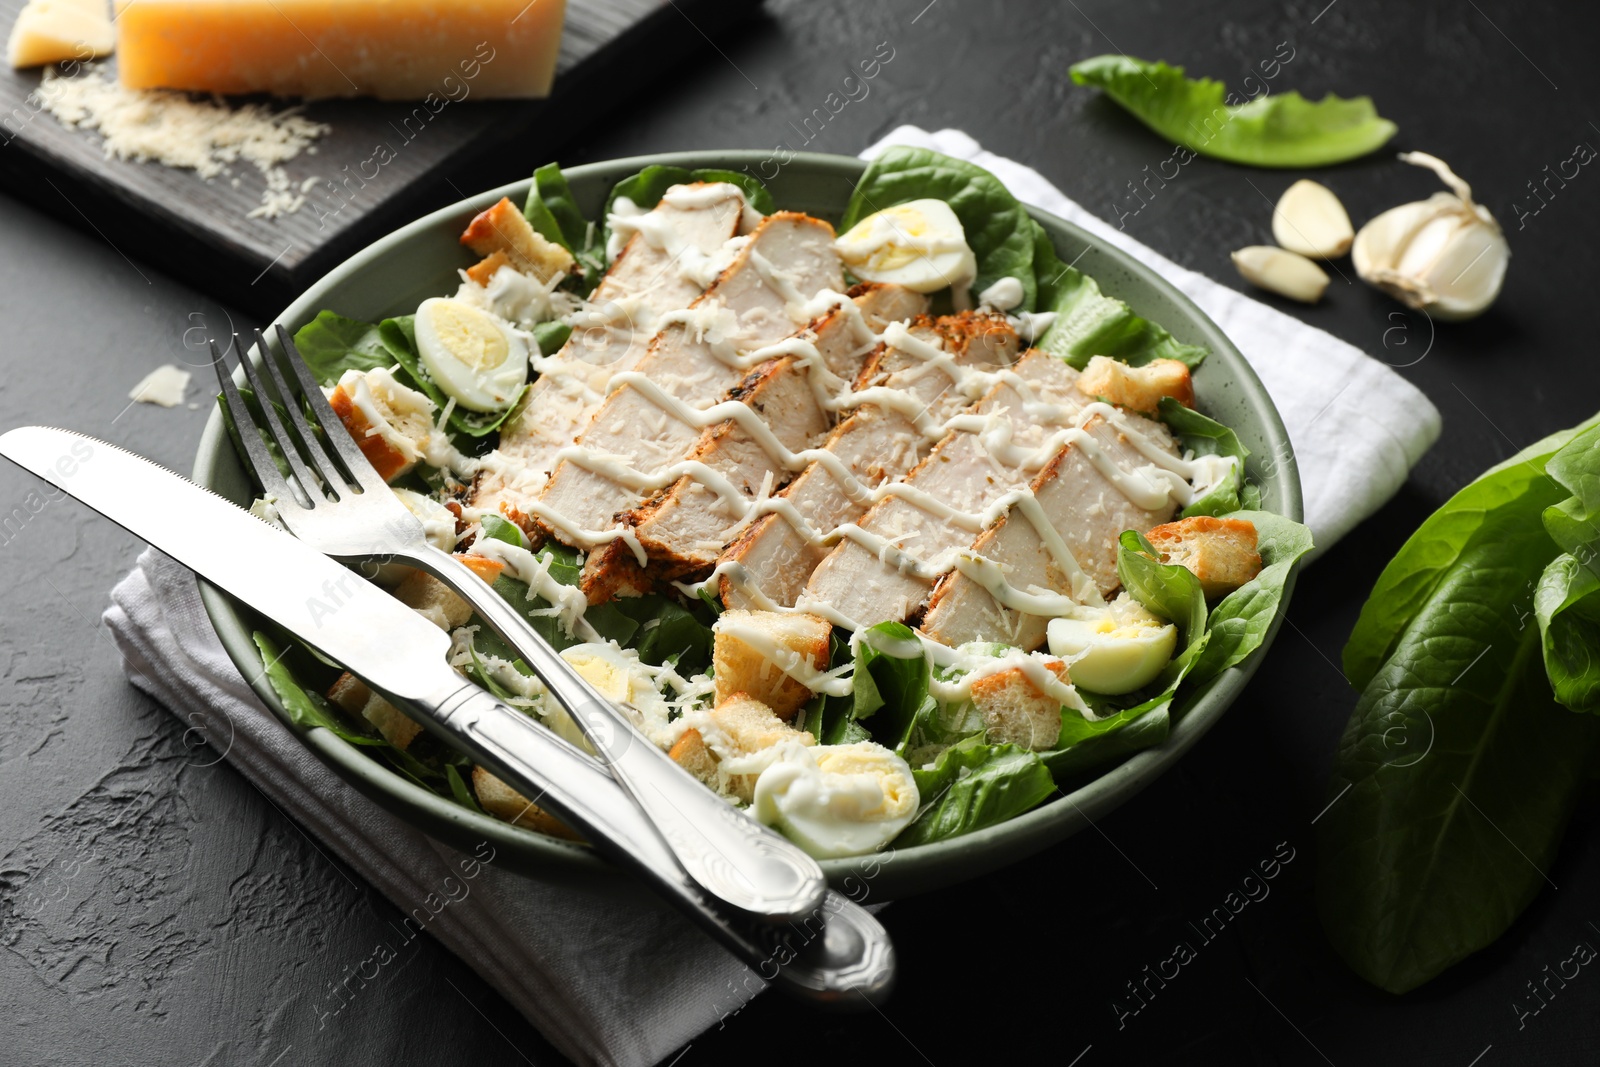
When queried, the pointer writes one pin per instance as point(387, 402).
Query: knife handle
point(731, 856)
point(836, 949)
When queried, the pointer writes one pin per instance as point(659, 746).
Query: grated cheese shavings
point(187, 133)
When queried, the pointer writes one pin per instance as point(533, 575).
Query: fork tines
point(320, 460)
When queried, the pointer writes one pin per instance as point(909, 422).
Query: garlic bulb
point(1283, 272)
point(1310, 220)
point(1445, 255)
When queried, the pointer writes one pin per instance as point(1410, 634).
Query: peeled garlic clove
point(1310, 220)
point(1445, 255)
point(1281, 271)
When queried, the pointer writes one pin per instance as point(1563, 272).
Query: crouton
point(690, 753)
point(508, 805)
point(503, 229)
point(1137, 388)
point(389, 421)
point(483, 270)
point(352, 695)
point(741, 726)
point(1015, 712)
point(762, 652)
point(1221, 552)
point(434, 601)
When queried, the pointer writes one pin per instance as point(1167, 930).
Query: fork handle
point(731, 856)
point(836, 949)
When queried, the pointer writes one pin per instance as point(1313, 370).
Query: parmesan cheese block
point(438, 51)
point(55, 31)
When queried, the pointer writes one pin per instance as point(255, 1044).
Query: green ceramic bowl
point(396, 273)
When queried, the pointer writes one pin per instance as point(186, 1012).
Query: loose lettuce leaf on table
point(1507, 492)
point(1461, 768)
point(1273, 130)
point(1461, 773)
point(1567, 604)
point(1567, 601)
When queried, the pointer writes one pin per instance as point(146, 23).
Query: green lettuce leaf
point(1165, 589)
point(1461, 772)
point(553, 212)
point(1089, 323)
point(997, 227)
point(332, 344)
point(888, 688)
point(399, 338)
point(1567, 604)
point(550, 336)
point(1274, 130)
point(1239, 622)
point(974, 785)
point(1567, 600)
point(1207, 437)
point(1503, 496)
point(1087, 745)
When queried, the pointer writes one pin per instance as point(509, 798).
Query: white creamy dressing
point(1165, 477)
point(790, 661)
point(657, 230)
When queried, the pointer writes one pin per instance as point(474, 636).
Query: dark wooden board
point(382, 164)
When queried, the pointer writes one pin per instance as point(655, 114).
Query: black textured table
point(155, 909)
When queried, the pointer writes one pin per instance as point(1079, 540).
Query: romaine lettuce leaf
point(1273, 130)
point(1088, 744)
point(1567, 604)
point(399, 337)
point(1206, 437)
point(1461, 772)
point(1090, 323)
point(1507, 495)
point(974, 785)
point(552, 211)
point(1239, 622)
point(1567, 600)
point(998, 228)
point(332, 344)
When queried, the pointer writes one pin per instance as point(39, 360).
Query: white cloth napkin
point(607, 977)
point(1357, 427)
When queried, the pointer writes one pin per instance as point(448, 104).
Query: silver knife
point(839, 951)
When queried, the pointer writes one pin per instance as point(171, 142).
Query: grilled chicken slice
point(1088, 511)
point(875, 444)
point(648, 280)
point(961, 473)
point(639, 432)
point(685, 527)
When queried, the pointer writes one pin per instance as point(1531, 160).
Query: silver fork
point(335, 501)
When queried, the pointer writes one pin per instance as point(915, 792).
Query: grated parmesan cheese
point(164, 386)
point(188, 133)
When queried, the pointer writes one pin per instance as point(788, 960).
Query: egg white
point(919, 244)
point(837, 800)
point(1113, 649)
point(474, 356)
